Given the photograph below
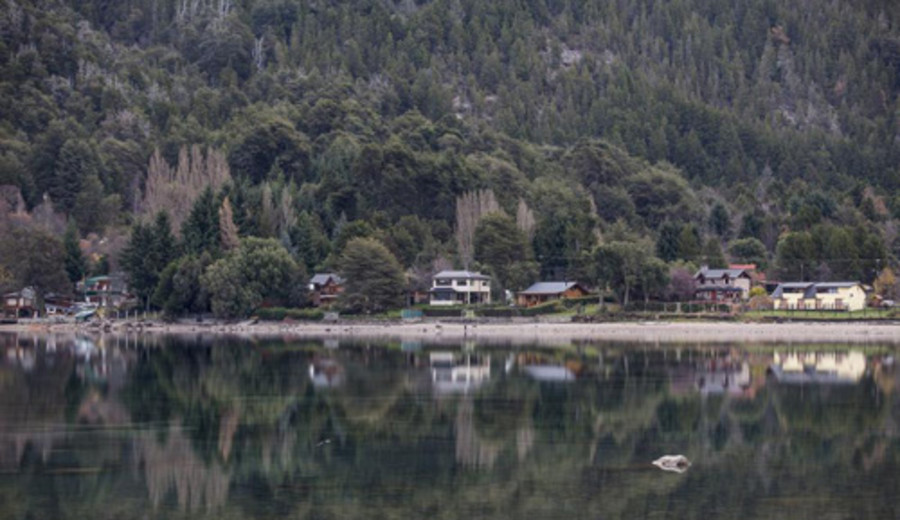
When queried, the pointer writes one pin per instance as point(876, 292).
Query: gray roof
point(468, 275)
point(810, 288)
point(27, 293)
point(720, 273)
point(322, 279)
point(550, 287)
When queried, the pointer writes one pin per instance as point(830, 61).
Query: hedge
point(511, 312)
point(280, 314)
point(440, 312)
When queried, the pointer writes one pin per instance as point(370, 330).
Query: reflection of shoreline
point(527, 331)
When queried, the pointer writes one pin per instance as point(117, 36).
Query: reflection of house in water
point(453, 373)
point(818, 367)
point(326, 373)
point(712, 376)
point(548, 372)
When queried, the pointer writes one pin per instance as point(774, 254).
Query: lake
point(227, 428)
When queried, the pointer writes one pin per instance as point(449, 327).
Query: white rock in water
point(676, 463)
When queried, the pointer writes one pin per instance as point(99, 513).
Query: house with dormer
point(722, 285)
point(835, 296)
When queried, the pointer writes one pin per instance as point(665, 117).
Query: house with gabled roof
point(20, 304)
point(837, 296)
point(460, 288)
point(324, 289)
point(543, 292)
point(722, 285)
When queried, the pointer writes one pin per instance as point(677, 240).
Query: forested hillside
point(527, 138)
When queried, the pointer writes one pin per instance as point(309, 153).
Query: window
point(442, 296)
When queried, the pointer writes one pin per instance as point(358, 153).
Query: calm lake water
point(230, 428)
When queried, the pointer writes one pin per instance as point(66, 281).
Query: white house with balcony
point(460, 288)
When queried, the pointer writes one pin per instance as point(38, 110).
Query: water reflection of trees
point(241, 427)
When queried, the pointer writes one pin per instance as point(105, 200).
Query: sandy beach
point(541, 333)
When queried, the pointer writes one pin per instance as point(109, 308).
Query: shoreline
point(542, 333)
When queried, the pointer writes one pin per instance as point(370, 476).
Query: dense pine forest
point(220, 151)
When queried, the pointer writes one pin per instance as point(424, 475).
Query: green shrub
point(571, 303)
point(512, 312)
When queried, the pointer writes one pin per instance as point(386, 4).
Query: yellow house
point(838, 296)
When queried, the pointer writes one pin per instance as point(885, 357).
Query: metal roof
point(467, 275)
point(550, 287)
point(720, 273)
point(322, 278)
point(811, 288)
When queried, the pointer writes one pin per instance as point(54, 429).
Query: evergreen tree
point(136, 260)
point(200, 231)
point(795, 256)
point(373, 278)
point(501, 246)
point(88, 205)
point(712, 254)
point(77, 162)
point(180, 290)
point(749, 251)
point(150, 249)
point(164, 248)
point(689, 247)
point(310, 240)
point(751, 226)
point(667, 243)
point(75, 262)
point(719, 221)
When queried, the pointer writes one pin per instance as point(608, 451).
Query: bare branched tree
point(525, 219)
point(286, 215)
point(175, 190)
point(470, 207)
point(268, 220)
point(259, 56)
point(228, 231)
